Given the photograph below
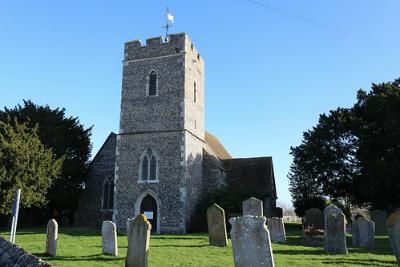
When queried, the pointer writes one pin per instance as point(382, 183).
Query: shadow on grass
point(358, 262)
point(179, 246)
point(177, 237)
point(94, 257)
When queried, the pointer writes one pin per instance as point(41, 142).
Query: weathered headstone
point(251, 242)
point(253, 206)
point(109, 238)
point(216, 226)
point(363, 232)
point(355, 232)
point(52, 236)
point(314, 218)
point(379, 217)
point(138, 242)
point(335, 230)
point(393, 230)
point(276, 229)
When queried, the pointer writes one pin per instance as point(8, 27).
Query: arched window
point(149, 166)
point(194, 92)
point(153, 83)
point(108, 194)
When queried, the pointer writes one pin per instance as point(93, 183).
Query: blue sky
point(269, 74)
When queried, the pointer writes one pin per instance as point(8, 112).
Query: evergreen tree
point(68, 138)
point(352, 154)
point(26, 164)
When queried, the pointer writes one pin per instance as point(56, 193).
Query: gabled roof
point(111, 135)
point(215, 147)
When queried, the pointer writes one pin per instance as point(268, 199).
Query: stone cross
point(251, 242)
point(216, 226)
point(393, 230)
point(138, 242)
point(363, 232)
point(335, 230)
point(52, 236)
point(276, 229)
point(379, 217)
point(253, 206)
point(314, 218)
point(109, 238)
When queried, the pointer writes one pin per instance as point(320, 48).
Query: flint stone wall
point(90, 211)
point(13, 256)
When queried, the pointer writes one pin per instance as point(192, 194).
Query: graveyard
point(82, 247)
point(107, 149)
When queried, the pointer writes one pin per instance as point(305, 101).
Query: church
point(163, 162)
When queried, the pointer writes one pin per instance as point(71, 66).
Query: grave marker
point(216, 226)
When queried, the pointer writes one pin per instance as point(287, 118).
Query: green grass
point(82, 247)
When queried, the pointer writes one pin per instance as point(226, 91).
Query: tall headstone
point(335, 230)
point(251, 242)
point(314, 218)
point(253, 206)
point(393, 230)
point(363, 232)
point(52, 236)
point(276, 229)
point(138, 242)
point(216, 226)
point(109, 238)
point(355, 233)
point(278, 212)
point(379, 217)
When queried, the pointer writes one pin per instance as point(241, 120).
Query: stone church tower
point(159, 150)
point(163, 163)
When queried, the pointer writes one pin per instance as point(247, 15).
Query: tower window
point(149, 166)
point(194, 92)
point(108, 194)
point(153, 83)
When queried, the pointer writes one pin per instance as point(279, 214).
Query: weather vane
point(168, 23)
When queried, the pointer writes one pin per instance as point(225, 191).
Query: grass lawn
point(82, 247)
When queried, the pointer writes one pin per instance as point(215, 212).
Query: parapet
point(155, 47)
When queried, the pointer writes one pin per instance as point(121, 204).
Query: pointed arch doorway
point(149, 208)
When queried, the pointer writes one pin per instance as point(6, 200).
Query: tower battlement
point(157, 47)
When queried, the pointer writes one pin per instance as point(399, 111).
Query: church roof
point(214, 146)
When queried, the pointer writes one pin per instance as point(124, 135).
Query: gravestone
point(253, 206)
point(52, 236)
point(278, 212)
point(251, 242)
point(335, 230)
point(216, 226)
point(355, 232)
point(363, 233)
point(393, 230)
point(109, 238)
point(276, 229)
point(138, 242)
point(379, 217)
point(314, 218)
